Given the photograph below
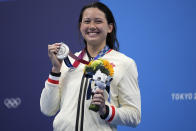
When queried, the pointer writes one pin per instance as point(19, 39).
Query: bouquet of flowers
point(101, 72)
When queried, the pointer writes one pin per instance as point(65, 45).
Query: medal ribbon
point(80, 59)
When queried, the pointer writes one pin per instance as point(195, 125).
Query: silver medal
point(63, 51)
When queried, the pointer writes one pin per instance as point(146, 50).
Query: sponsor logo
point(11, 103)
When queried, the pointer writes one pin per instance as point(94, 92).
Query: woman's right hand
point(52, 51)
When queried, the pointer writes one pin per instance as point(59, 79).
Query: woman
point(63, 91)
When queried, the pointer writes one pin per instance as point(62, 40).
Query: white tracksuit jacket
point(68, 98)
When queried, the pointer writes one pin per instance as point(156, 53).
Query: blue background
point(160, 35)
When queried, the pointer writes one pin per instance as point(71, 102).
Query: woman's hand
point(98, 99)
point(52, 51)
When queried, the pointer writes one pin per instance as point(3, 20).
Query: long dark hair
point(111, 39)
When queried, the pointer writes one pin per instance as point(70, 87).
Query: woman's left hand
point(98, 99)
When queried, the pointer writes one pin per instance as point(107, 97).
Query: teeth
point(92, 34)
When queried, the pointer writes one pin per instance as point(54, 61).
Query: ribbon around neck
point(79, 59)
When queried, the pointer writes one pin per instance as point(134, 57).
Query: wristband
point(106, 114)
point(55, 74)
point(54, 77)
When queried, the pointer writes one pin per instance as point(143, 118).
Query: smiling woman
point(97, 96)
point(104, 17)
point(94, 28)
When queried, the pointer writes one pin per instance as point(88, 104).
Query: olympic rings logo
point(12, 102)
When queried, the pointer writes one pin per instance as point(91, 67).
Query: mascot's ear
point(109, 79)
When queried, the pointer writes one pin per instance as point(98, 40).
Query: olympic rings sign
point(12, 102)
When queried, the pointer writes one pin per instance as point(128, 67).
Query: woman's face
point(94, 26)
